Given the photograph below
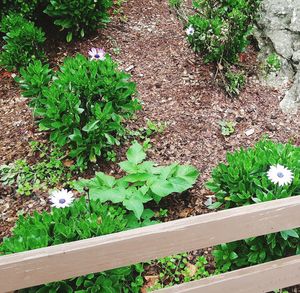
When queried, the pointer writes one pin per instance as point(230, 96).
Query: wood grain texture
point(257, 279)
point(97, 254)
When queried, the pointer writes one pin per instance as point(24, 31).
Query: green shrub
point(273, 63)
point(244, 180)
point(221, 27)
point(34, 79)
point(145, 182)
point(85, 106)
point(79, 221)
point(78, 17)
point(23, 42)
point(73, 17)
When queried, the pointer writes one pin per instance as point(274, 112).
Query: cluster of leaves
point(273, 63)
point(143, 183)
point(84, 106)
point(227, 127)
point(177, 269)
point(47, 173)
point(23, 42)
point(222, 27)
point(80, 221)
point(234, 82)
point(75, 18)
point(242, 181)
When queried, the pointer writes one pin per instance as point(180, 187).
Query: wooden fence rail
point(35, 267)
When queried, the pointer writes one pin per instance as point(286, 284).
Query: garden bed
point(176, 88)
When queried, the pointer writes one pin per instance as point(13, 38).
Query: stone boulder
point(278, 29)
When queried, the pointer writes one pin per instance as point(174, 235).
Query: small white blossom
point(61, 198)
point(280, 175)
point(97, 54)
point(190, 30)
point(13, 75)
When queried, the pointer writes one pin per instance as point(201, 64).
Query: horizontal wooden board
point(257, 279)
point(97, 254)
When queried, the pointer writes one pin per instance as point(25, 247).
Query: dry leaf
point(68, 163)
point(192, 269)
point(150, 281)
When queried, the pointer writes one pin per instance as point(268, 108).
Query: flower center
point(62, 201)
point(280, 175)
point(97, 56)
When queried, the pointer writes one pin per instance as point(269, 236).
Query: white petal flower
point(280, 175)
point(61, 198)
point(97, 54)
point(190, 30)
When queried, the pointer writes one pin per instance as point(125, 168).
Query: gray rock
point(278, 30)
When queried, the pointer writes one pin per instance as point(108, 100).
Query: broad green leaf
point(162, 188)
point(134, 205)
point(135, 153)
point(114, 195)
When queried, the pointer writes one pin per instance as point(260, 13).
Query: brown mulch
point(176, 87)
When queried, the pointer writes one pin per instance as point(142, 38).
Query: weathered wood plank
point(257, 279)
point(111, 251)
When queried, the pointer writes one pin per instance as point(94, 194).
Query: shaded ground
point(175, 87)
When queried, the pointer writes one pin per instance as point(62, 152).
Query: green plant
point(34, 80)
point(273, 63)
point(47, 173)
point(175, 3)
point(79, 221)
point(78, 17)
point(144, 182)
point(221, 27)
point(227, 127)
point(178, 269)
point(85, 106)
point(234, 81)
point(244, 180)
point(23, 42)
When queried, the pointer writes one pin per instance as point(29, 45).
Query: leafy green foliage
point(143, 183)
point(177, 269)
point(85, 105)
point(222, 27)
point(234, 82)
point(80, 221)
point(242, 181)
point(175, 3)
point(273, 63)
point(23, 42)
point(227, 127)
point(47, 173)
point(34, 79)
point(73, 17)
point(78, 17)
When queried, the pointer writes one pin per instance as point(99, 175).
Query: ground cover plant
point(48, 172)
point(144, 182)
point(23, 42)
point(85, 104)
point(265, 172)
point(81, 220)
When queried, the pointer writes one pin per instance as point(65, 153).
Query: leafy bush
point(23, 42)
point(80, 221)
point(77, 17)
point(145, 182)
point(74, 17)
point(243, 180)
point(273, 63)
point(221, 27)
point(48, 172)
point(85, 105)
point(34, 79)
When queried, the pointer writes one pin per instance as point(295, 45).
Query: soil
point(175, 87)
